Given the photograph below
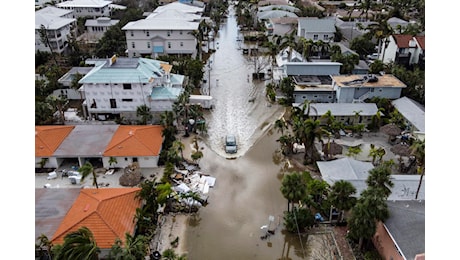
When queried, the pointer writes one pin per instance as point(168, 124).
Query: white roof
point(343, 109)
point(51, 22)
point(101, 21)
point(54, 11)
point(167, 20)
point(84, 3)
point(412, 111)
point(180, 7)
point(356, 172)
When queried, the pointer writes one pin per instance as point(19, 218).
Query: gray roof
point(54, 11)
point(278, 7)
point(51, 22)
point(84, 3)
point(86, 140)
point(343, 109)
point(356, 172)
point(311, 25)
point(274, 14)
point(67, 78)
point(51, 206)
point(167, 20)
point(412, 111)
point(407, 226)
point(101, 21)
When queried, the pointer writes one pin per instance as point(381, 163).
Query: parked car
point(230, 144)
point(373, 56)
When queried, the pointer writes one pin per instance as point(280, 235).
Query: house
point(357, 88)
point(47, 141)
point(87, 8)
point(58, 24)
point(404, 49)
point(95, 28)
point(316, 29)
point(346, 113)
point(169, 30)
point(129, 144)
point(413, 113)
point(402, 235)
point(67, 80)
point(76, 145)
point(108, 212)
point(281, 25)
point(117, 86)
point(51, 206)
point(356, 172)
point(265, 13)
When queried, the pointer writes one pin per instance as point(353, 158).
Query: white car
point(373, 56)
point(230, 144)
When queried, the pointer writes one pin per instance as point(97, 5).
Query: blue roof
point(165, 93)
point(125, 70)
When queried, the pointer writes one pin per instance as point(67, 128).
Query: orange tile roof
point(107, 212)
point(48, 138)
point(421, 41)
point(132, 140)
point(402, 40)
point(167, 67)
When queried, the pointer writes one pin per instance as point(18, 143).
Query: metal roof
point(312, 25)
point(51, 22)
point(412, 111)
point(343, 109)
point(84, 3)
point(165, 93)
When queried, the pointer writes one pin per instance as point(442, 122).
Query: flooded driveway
point(247, 194)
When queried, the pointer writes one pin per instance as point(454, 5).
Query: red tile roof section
point(130, 140)
point(107, 212)
point(402, 40)
point(48, 138)
point(421, 41)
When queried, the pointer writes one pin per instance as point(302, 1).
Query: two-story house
point(316, 29)
point(281, 25)
point(357, 88)
point(404, 49)
point(87, 8)
point(95, 28)
point(168, 30)
point(58, 24)
point(117, 86)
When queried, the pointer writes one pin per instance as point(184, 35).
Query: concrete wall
point(385, 245)
point(122, 162)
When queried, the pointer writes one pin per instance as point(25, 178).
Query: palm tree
point(418, 150)
point(307, 132)
point(164, 190)
point(376, 152)
point(44, 247)
point(354, 151)
point(44, 38)
point(341, 196)
point(280, 125)
point(134, 248)
point(361, 223)
point(287, 143)
point(79, 244)
point(294, 187)
point(86, 170)
point(380, 178)
point(179, 147)
point(143, 111)
point(112, 160)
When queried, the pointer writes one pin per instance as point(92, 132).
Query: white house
point(168, 30)
point(357, 88)
point(117, 86)
point(404, 49)
point(346, 113)
point(58, 25)
point(316, 29)
point(85, 8)
point(281, 25)
point(413, 113)
point(95, 28)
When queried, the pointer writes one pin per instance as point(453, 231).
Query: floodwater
point(246, 195)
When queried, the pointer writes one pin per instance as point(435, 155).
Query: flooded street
point(247, 189)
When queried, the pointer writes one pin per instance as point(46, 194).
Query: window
point(132, 33)
point(180, 32)
point(113, 103)
point(127, 100)
point(126, 86)
point(181, 44)
point(325, 37)
point(315, 37)
point(169, 45)
point(148, 33)
point(148, 45)
point(169, 33)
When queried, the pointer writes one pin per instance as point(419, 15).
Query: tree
point(163, 190)
point(143, 111)
point(44, 247)
point(112, 160)
point(341, 196)
point(287, 143)
point(59, 104)
point(376, 152)
point(280, 125)
point(380, 178)
point(78, 244)
point(354, 151)
point(86, 170)
point(43, 33)
point(361, 224)
point(418, 150)
point(134, 248)
point(298, 220)
point(294, 187)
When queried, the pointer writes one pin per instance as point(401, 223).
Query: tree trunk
point(419, 185)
